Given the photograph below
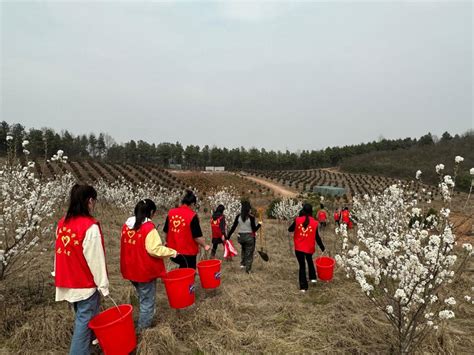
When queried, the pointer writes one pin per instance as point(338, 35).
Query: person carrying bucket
point(322, 216)
point(141, 253)
point(218, 229)
point(245, 222)
point(184, 232)
point(306, 234)
point(80, 270)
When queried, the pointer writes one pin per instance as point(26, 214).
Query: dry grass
point(258, 313)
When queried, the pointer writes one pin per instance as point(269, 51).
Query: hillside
point(403, 163)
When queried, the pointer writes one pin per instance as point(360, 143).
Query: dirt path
point(283, 191)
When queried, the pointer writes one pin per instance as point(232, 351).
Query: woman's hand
point(207, 247)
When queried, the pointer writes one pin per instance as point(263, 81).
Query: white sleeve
point(95, 257)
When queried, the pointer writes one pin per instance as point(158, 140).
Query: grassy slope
point(403, 163)
point(259, 313)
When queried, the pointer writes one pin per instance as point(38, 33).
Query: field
point(263, 312)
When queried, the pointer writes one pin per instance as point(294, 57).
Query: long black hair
point(218, 212)
point(144, 209)
point(189, 198)
point(307, 211)
point(79, 201)
point(245, 210)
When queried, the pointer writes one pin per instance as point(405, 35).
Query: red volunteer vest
point(135, 262)
point(305, 238)
point(336, 216)
point(72, 270)
point(179, 236)
point(322, 216)
point(216, 227)
point(345, 216)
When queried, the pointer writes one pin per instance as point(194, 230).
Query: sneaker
point(95, 341)
point(314, 281)
point(242, 266)
point(303, 291)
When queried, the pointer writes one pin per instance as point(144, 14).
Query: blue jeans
point(82, 336)
point(146, 295)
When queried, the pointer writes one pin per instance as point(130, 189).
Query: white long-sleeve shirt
point(95, 258)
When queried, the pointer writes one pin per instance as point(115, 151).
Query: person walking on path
point(218, 229)
point(80, 270)
point(322, 216)
point(306, 235)
point(183, 232)
point(141, 258)
point(246, 227)
point(337, 216)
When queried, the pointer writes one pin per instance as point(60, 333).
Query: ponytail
point(308, 212)
point(143, 210)
point(306, 222)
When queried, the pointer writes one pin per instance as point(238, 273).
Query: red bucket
point(210, 273)
point(325, 267)
point(114, 330)
point(179, 284)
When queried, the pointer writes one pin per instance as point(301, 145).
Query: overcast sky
point(287, 75)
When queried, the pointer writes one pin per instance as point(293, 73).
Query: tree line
point(43, 143)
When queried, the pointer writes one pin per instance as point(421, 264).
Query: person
point(322, 216)
point(245, 222)
point(306, 235)
point(218, 229)
point(141, 253)
point(80, 270)
point(183, 232)
point(345, 217)
point(337, 216)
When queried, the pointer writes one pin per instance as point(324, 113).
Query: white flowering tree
point(286, 210)
point(27, 203)
point(228, 197)
point(124, 195)
point(402, 259)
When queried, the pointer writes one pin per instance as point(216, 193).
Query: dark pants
point(304, 258)
point(215, 243)
point(185, 261)
point(247, 241)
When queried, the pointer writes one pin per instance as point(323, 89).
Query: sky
point(273, 75)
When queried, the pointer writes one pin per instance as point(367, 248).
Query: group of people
point(80, 269)
point(340, 216)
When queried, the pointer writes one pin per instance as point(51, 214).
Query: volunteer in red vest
point(306, 235)
point(345, 216)
point(141, 253)
point(322, 216)
point(79, 265)
point(218, 228)
point(337, 216)
point(184, 232)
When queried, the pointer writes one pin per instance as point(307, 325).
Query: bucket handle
point(113, 301)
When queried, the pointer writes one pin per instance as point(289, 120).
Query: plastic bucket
point(114, 330)
point(210, 273)
point(179, 284)
point(325, 267)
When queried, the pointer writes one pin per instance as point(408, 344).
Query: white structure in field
point(215, 168)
